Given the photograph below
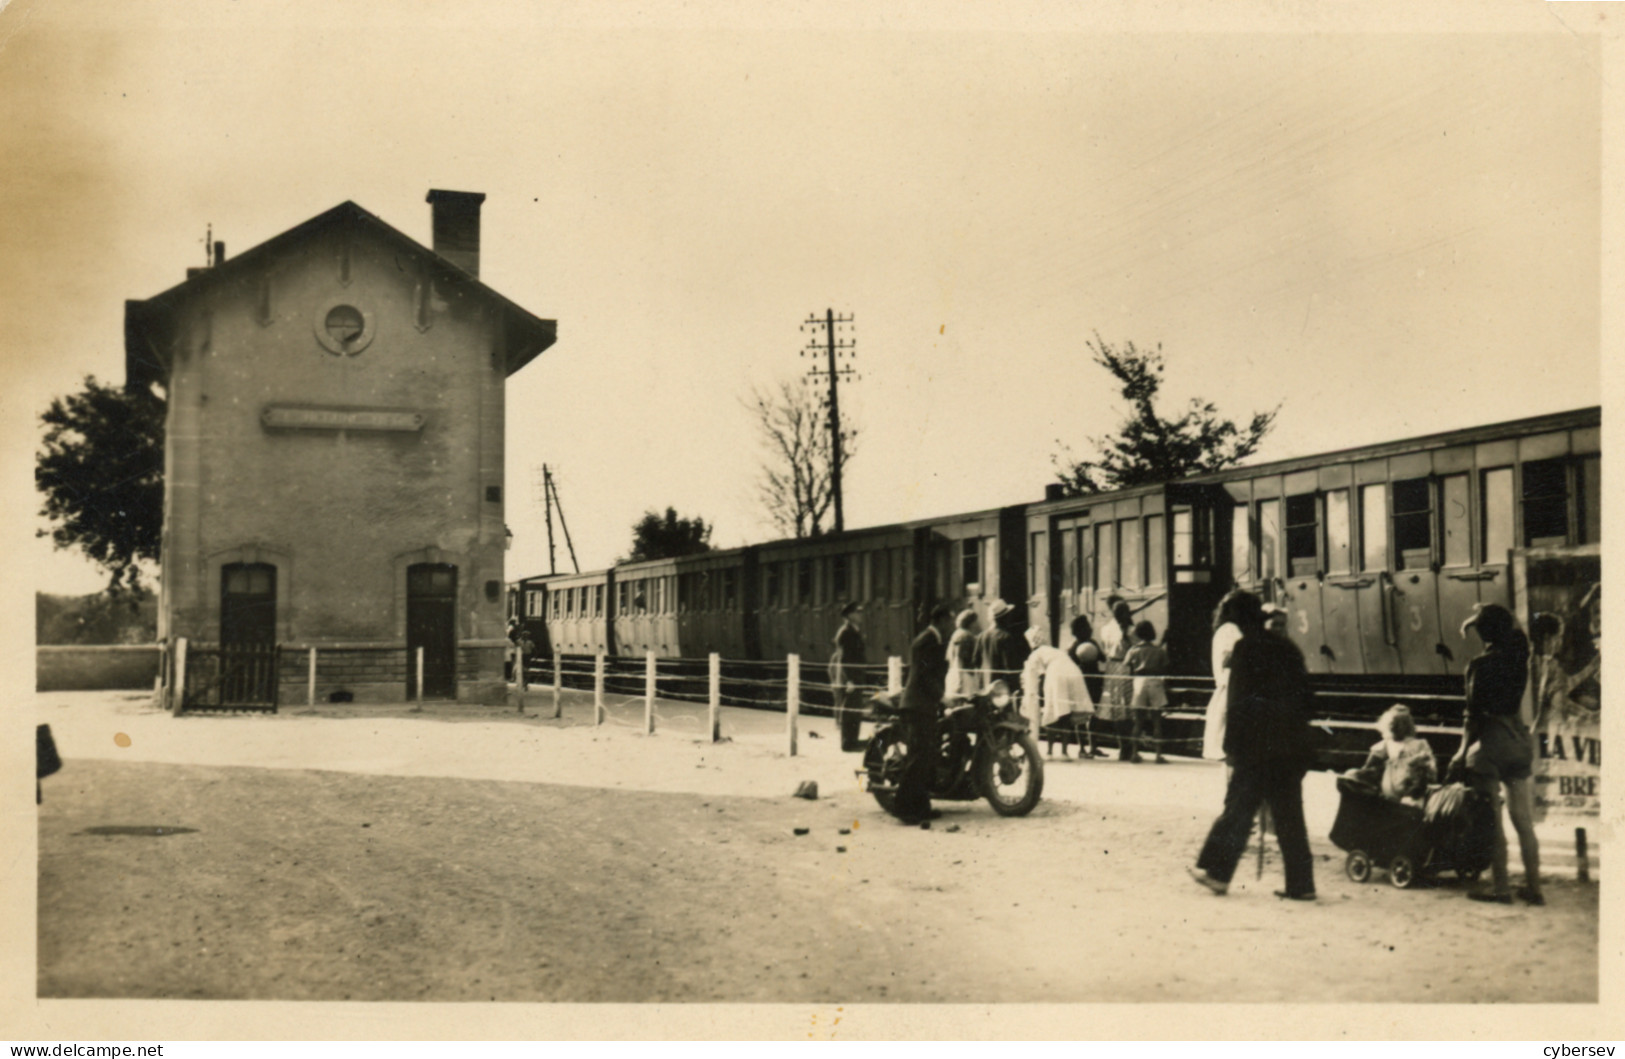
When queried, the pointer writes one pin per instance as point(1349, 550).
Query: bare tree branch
point(796, 486)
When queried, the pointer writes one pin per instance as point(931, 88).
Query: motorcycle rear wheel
point(883, 760)
point(1011, 774)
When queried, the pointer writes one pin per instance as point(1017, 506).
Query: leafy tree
point(667, 537)
point(102, 473)
point(1148, 447)
point(101, 618)
point(797, 482)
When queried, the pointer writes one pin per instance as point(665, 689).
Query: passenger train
point(1377, 554)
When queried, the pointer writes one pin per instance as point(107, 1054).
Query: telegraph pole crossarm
point(831, 347)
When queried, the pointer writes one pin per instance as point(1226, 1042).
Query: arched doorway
point(431, 623)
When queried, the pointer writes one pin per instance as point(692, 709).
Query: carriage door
point(1374, 587)
point(1303, 570)
point(1416, 587)
point(431, 623)
point(1195, 587)
point(1459, 579)
point(247, 634)
point(1339, 650)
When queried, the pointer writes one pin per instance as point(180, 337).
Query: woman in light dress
point(1054, 682)
point(962, 672)
point(1225, 635)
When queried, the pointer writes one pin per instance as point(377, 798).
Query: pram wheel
point(1358, 865)
point(1401, 872)
point(1468, 877)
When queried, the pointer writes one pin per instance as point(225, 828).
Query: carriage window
point(804, 581)
point(838, 572)
point(1374, 527)
point(880, 576)
point(1337, 531)
point(1455, 516)
point(770, 583)
point(598, 601)
point(730, 588)
point(533, 604)
point(1545, 504)
point(1269, 538)
point(1193, 536)
point(621, 598)
point(1496, 523)
point(1035, 542)
point(1155, 551)
point(1302, 535)
point(1129, 570)
point(1086, 558)
point(1413, 523)
point(1241, 544)
point(970, 564)
point(990, 566)
point(1071, 547)
point(553, 605)
point(1105, 556)
point(1590, 483)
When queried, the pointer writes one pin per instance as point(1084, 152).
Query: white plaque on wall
point(305, 417)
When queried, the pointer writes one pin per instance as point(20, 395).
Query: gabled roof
point(146, 322)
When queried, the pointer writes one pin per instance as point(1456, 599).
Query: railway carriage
point(644, 612)
point(803, 584)
point(713, 601)
point(1377, 553)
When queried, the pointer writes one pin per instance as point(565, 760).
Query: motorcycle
point(987, 752)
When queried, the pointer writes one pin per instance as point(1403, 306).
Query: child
point(1400, 764)
point(1149, 665)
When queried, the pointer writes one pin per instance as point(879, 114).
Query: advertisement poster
point(1559, 601)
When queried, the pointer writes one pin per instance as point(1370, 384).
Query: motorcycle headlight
point(999, 695)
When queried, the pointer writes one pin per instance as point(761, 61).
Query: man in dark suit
point(846, 677)
point(922, 711)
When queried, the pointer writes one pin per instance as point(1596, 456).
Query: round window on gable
point(343, 329)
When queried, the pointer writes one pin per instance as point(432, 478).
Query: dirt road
point(464, 856)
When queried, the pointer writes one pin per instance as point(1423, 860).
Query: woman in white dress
point(1051, 679)
point(1226, 633)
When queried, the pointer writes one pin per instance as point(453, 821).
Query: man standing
point(1268, 740)
point(922, 712)
point(846, 677)
point(1001, 649)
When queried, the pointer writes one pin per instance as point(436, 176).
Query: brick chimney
point(456, 217)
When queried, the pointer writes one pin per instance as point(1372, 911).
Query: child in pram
point(1400, 765)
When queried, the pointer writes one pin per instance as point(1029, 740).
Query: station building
point(333, 469)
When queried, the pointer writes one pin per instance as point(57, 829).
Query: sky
point(1386, 226)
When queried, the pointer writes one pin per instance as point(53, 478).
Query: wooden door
point(431, 624)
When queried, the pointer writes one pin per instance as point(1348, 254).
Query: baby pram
point(1453, 831)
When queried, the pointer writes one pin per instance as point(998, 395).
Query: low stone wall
point(97, 667)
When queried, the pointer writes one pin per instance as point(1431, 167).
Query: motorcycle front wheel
point(883, 761)
point(1011, 774)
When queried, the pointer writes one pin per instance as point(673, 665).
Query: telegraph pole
point(832, 346)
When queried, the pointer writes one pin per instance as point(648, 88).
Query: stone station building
point(333, 473)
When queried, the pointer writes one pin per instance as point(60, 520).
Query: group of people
point(1118, 679)
point(1259, 722)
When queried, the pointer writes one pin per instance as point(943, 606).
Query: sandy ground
point(464, 854)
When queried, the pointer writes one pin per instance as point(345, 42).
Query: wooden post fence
point(558, 685)
point(310, 682)
point(180, 675)
point(420, 678)
point(714, 719)
point(649, 693)
point(598, 689)
point(792, 706)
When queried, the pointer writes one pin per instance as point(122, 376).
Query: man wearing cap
point(922, 711)
point(846, 677)
point(1001, 649)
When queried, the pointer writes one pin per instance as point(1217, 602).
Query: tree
point(796, 483)
point(102, 473)
point(1148, 447)
point(668, 537)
